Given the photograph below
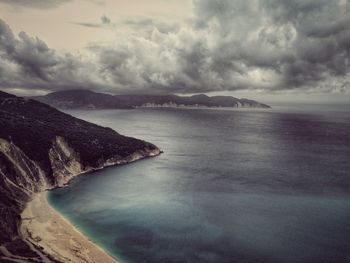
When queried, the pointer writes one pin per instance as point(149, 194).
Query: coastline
point(56, 237)
point(53, 237)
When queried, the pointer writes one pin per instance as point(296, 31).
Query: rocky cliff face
point(65, 162)
point(42, 148)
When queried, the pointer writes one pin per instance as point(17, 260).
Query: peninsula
point(42, 148)
point(87, 99)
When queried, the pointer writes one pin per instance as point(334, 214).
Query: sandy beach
point(57, 238)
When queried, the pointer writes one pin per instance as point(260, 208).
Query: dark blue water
point(231, 186)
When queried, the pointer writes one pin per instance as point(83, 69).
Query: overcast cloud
point(269, 45)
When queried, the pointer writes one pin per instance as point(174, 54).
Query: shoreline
point(56, 238)
point(53, 237)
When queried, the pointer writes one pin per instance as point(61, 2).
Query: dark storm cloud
point(31, 54)
point(27, 62)
point(227, 45)
point(303, 42)
point(322, 46)
point(35, 3)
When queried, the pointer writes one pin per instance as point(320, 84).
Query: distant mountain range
point(75, 99)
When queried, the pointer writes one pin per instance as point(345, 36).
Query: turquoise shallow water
point(231, 186)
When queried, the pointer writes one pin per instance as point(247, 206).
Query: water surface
point(231, 186)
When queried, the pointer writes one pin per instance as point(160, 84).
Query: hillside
point(42, 148)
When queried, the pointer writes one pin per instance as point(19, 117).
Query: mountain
point(42, 148)
point(72, 99)
point(200, 100)
point(88, 99)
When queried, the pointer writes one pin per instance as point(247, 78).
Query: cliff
point(42, 148)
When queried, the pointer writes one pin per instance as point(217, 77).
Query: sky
point(270, 50)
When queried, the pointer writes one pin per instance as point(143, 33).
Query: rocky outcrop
point(42, 148)
point(26, 175)
point(65, 162)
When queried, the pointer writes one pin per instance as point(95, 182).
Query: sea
point(233, 185)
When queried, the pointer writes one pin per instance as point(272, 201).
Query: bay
point(231, 186)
